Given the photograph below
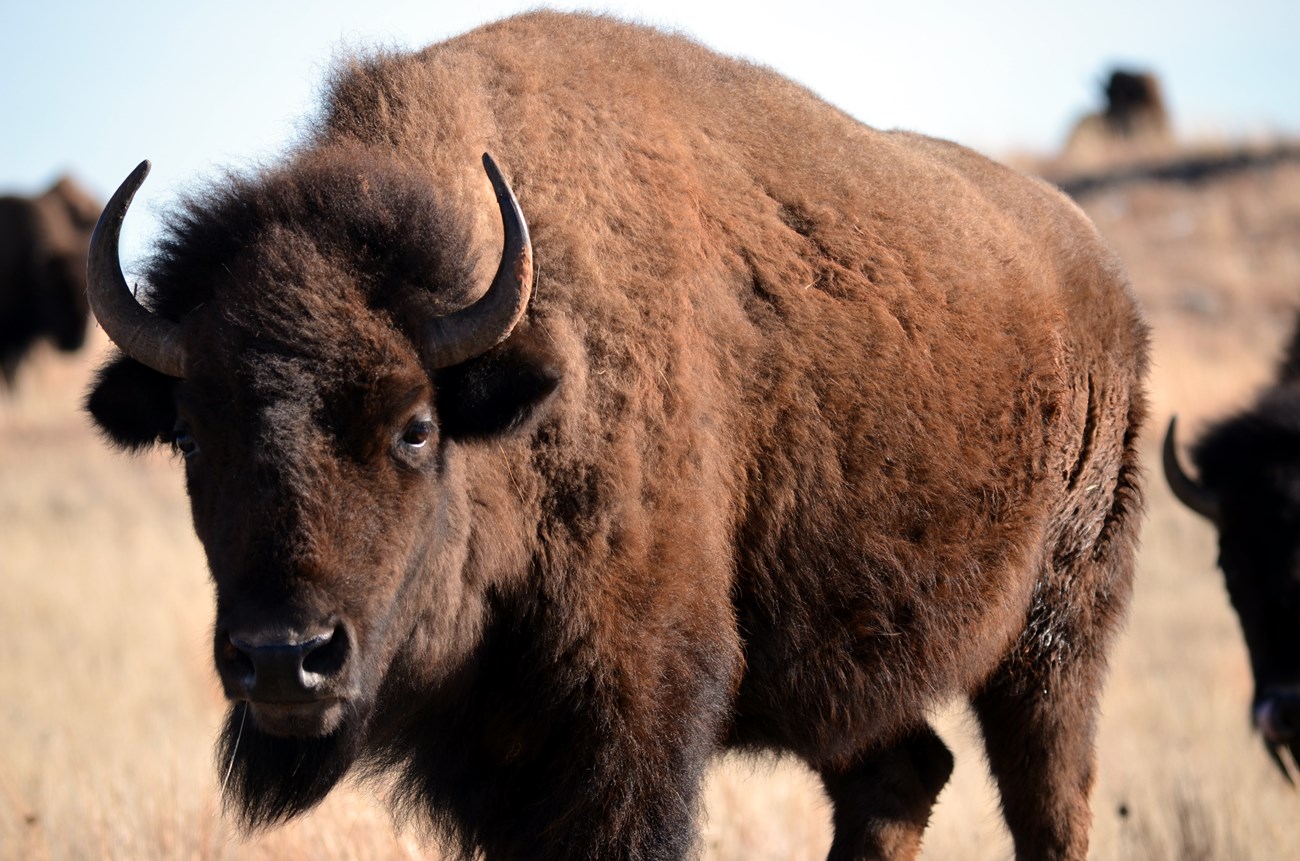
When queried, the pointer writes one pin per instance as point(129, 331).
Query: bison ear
point(132, 404)
point(497, 392)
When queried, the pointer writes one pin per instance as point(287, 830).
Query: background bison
point(43, 243)
point(805, 430)
point(1249, 488)
point(1134, 122)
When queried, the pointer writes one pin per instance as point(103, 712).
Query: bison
point(1249, 488)
point(1135, 120)
point(770, 432)
point(43, 243)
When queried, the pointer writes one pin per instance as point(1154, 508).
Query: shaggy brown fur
point(810, 428)
point(43, 243)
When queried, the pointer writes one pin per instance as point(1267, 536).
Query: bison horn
point(1190, 492)
point(478, 328)
point(138, 332)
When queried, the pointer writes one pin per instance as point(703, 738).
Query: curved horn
point(478, 328)
point(1191, 493)
point(138, 332)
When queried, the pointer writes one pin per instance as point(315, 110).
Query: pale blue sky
point(92, 88)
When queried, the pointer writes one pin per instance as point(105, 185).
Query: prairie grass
point(108, 705)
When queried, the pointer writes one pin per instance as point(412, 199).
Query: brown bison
point(43, 242)
point(778, 433)
point(1249, 488)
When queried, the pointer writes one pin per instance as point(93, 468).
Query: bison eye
point(417, 433)
point(410, 441)
point(183, 441)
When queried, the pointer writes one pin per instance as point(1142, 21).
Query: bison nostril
point(327, 654)
point(240, 664)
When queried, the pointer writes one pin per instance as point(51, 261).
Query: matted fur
point(809, 429)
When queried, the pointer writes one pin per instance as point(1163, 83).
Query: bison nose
point(279, 666)
point(1277, 717)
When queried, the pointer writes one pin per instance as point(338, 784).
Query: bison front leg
point(882, 802)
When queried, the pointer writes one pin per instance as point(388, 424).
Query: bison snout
point(279, 666)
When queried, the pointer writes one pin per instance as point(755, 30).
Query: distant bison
point(777, 434)
point(1249, 488)
point(1134, 120)
point(43, 242)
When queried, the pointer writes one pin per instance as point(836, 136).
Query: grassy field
point(109, 706)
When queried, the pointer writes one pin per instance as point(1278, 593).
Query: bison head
point(300, 357)
point(1250, 490)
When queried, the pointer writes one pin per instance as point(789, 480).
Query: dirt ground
point(108, 704)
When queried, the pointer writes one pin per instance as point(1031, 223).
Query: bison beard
point(271, 779)
point(802, 431)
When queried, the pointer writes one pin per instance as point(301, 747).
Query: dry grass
point(108, 705)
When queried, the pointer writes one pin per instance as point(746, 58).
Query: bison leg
point(882, 802)
point(1038, 732)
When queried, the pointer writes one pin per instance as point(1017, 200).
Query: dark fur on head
point(371, 215)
